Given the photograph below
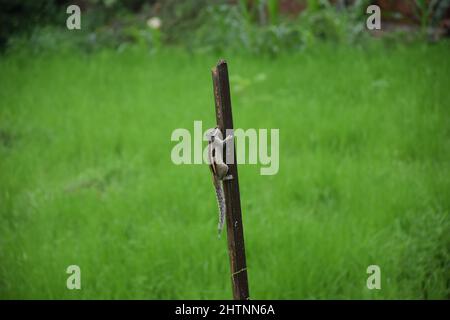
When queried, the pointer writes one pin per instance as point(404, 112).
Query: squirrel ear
point(210, 132)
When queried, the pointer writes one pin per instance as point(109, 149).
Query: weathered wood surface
point(235, 231)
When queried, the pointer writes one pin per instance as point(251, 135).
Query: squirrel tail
point(220, 195)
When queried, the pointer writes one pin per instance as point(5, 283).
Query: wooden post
point(235, 231)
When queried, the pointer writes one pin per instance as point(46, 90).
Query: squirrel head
point(211, 134)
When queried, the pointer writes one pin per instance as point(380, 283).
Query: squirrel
point(219, 169)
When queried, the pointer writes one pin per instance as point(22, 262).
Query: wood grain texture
point(235, 231)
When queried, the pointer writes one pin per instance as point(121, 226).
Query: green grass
point(86, 176)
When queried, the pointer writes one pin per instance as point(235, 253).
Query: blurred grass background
point(86, 176)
